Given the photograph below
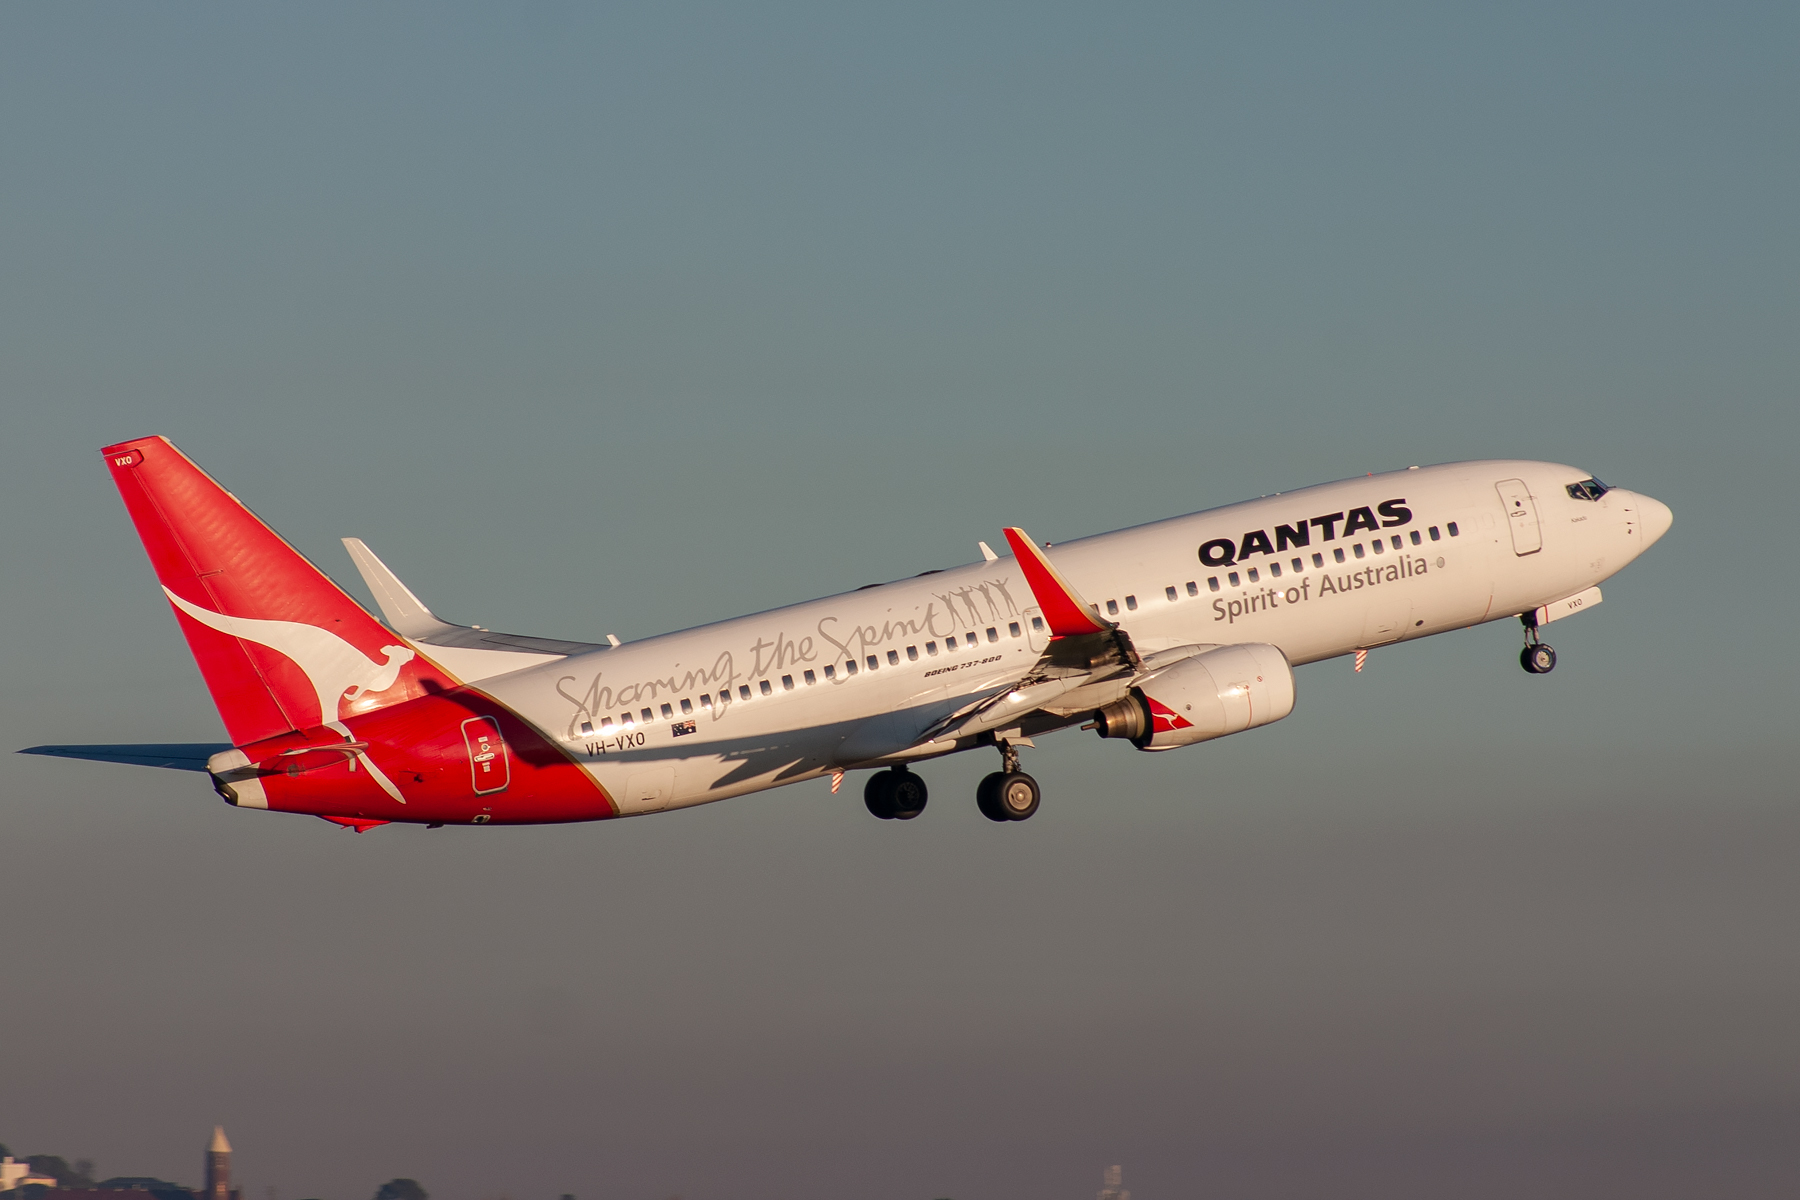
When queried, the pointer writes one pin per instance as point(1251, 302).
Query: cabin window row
point(808, 677)
point(1233, 579)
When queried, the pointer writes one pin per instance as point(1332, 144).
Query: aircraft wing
point(176, 756)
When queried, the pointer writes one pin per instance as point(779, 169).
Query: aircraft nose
point(1656, 517)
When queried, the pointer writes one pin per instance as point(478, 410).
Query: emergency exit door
point(489, 769)
point(1521, 516)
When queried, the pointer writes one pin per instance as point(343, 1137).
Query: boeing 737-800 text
point(1162, 635)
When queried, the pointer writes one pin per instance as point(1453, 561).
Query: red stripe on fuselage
point(420, 747)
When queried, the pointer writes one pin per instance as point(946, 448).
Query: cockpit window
point(1588, 489)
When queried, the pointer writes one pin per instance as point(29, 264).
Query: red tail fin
point(280, 645)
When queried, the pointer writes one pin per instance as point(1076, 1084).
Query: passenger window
point(1194, 588)
point(850, 666)
point(645, 714)
point(1338, 554)
point(809, 677)
point(744, 691)
point(687, 707)
point(1275, 570)
point(587, 727)
point(706, 701)
point(606, 725)
point(830, 671)
point(1434, 533)
point(1231, 577)
point(625, 721)
point(950, 642)
point(1212, 582)
point(873, 662)
point(912, 654)
point(893, 658)
point(764, 688)
point(1415, 537)
point(1012, 627)
point(1319, 559)
point(1254, 577)
point(1358, 549)
point(1170, 592)
point(1037, 623)
point(1396, 540)
point(1451, 527)
point(1379, 546)
point(1299, 564)
point(1131, 603)
point(787, 683)
point(667, 711)
point(993, 634)
point(1112, 608)
point(931, 649)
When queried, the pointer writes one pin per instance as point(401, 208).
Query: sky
point(619, 320)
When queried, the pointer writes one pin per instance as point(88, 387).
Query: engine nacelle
point(1227, 690)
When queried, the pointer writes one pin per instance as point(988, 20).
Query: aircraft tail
point(280, 645)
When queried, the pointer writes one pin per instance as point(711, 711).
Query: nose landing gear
point(1008, 794)
point(1537, 657)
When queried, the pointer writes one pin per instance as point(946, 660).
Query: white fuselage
point(855, 680)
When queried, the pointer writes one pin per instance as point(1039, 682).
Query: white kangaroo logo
point(336, 669)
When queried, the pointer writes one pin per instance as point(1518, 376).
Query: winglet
point(1066, 612)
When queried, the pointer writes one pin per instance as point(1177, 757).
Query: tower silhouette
point(218, 1167)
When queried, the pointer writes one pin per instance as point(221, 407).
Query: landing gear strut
point(1008, 794)
point(895, 794)
point(1537, 657)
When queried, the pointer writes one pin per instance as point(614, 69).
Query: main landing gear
point(1009, 794)
point(1537, 657)
point(895, 794)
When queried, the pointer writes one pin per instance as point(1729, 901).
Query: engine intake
point(1227, 690)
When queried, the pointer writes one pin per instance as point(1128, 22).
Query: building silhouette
point(1111, 1189)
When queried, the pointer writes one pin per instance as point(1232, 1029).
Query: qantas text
point(1222, 552)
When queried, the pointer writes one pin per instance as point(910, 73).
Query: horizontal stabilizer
point(176, 756)
point(419, 625)
point(1067, 614)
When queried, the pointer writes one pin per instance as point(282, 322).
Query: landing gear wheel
point(1016, 795)
point(894, 795)
point(908, 792)
point(987, 797)
point(1538, 659)
point(878, 795)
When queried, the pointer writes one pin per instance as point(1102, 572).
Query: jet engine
point(1227, 690)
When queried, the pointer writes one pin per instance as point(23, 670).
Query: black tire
point(1539, 659)
point(878, 795)
point(1017, 796)
point(987, 797)
point(909, 794)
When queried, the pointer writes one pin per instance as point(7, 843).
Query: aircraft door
point(1521, 516)
point(1035, 634)
point(489, 769)
point(648, 791)
point(1388, 617)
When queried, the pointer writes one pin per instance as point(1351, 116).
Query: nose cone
point(1656, 518)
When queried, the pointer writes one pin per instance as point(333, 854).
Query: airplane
point(1161, 636)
